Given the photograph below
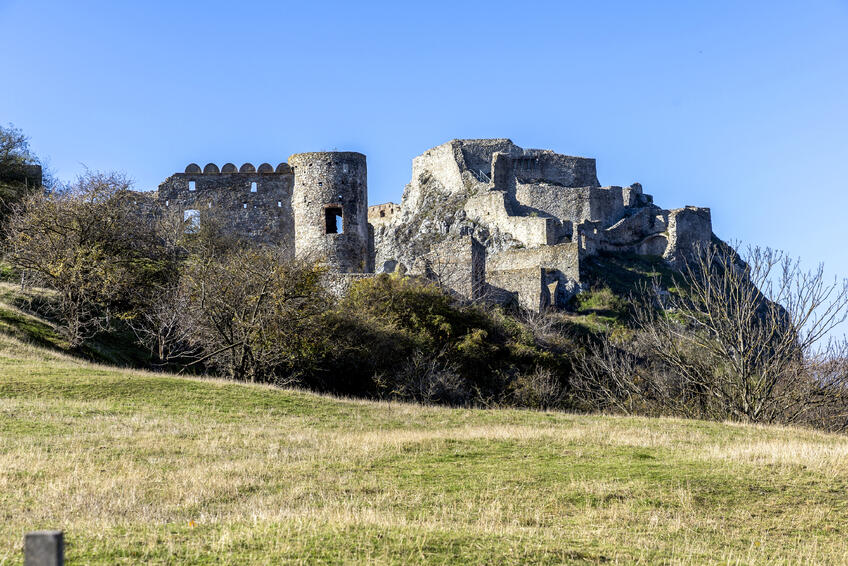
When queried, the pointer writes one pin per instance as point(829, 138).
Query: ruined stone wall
point(525, 286)
point(672, 234)
point(25, 174)
point(330, 206)
point(338, 284)
point(562, 257)
point(688, 228)
point(642, 233)
point(380, 214)
point(253, 204)
point(535, 165)
point(477, 155)
point(517, 271)
point(457, 264)
point(490, 207)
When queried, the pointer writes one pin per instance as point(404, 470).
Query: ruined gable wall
point(264, 215)
point(544, 165)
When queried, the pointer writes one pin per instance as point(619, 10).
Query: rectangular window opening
point(192, 185)
point(244, 205)
point(333, 220)
point(253, 187)
point(279, 204)
point(191, 218)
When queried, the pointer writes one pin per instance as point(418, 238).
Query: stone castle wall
point(254, 204)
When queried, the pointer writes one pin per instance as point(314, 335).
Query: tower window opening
point(192, 185)
point(333, 220)
point(382, 214)
point(344, 168)
point(279, 204)
point(253, 187)
point(244, 205)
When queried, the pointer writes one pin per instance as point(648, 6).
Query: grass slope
point(19, 319)
point(144, 468)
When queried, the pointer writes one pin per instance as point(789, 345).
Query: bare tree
point(606, 378)
point(746, 337)
point(90, 245)
point(254, 312)
point(165, 325)
point(540, 389)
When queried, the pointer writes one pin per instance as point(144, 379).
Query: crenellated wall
point(254, 203)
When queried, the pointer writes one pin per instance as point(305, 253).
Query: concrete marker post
point(44, 548)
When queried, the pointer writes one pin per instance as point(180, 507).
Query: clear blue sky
point(739, 106)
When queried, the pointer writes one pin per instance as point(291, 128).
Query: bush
point(421, 344)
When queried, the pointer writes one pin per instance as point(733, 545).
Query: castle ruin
point(487, 219)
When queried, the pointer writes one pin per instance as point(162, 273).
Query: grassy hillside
point(143, 468)
point(19, 319)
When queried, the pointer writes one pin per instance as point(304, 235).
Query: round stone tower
point(330, 205)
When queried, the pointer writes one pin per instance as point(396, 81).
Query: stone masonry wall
point(380, 214)
point(328, 183)
point(254, 204)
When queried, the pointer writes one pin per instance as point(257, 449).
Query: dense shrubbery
point(403, 337)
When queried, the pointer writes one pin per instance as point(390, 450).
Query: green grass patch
point(145, 468)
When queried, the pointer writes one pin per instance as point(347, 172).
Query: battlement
point(230, 169)
point(254, 202)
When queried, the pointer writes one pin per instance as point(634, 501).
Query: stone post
point(44, 548)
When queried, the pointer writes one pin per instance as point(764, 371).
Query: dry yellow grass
point(143, 468)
